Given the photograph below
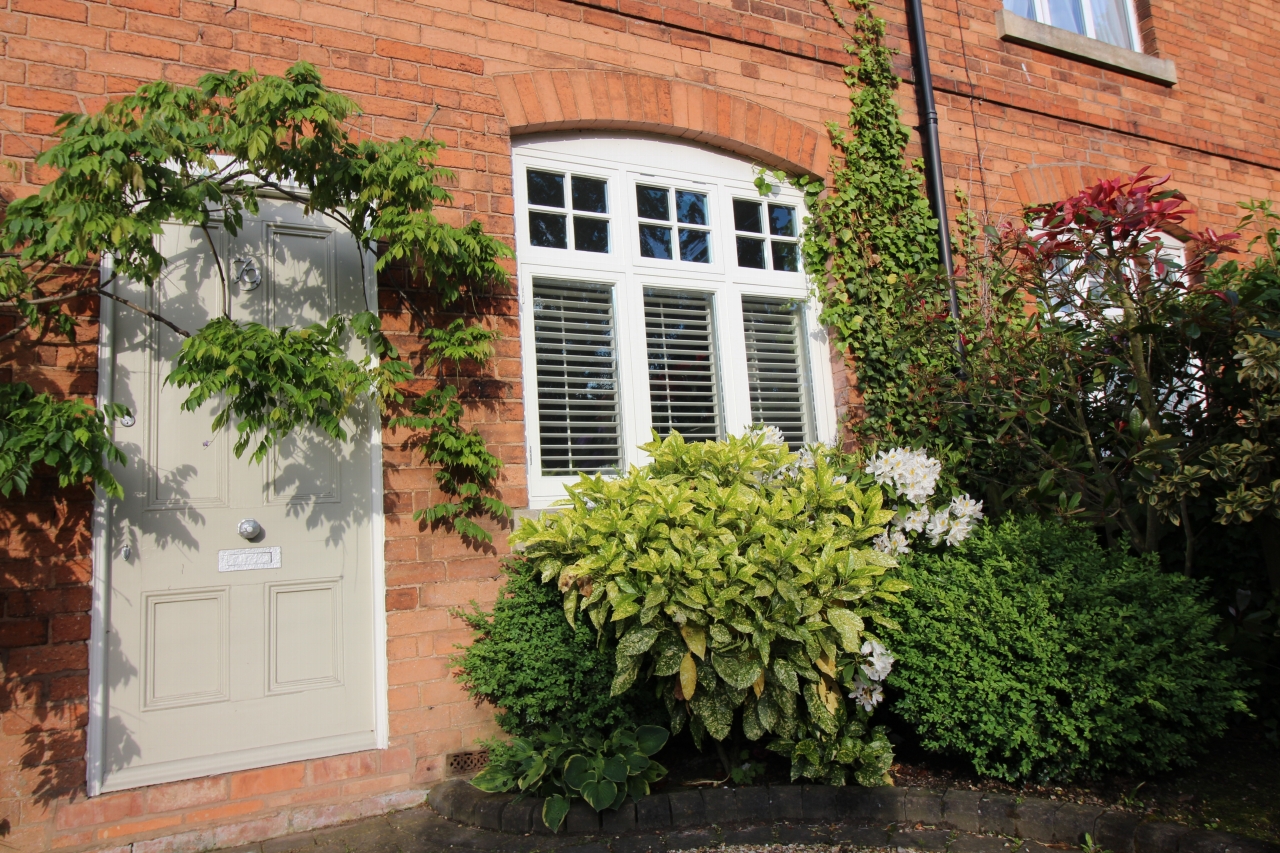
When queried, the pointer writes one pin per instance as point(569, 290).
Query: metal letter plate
point(244, 559)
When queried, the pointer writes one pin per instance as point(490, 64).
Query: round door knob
point(249, 528)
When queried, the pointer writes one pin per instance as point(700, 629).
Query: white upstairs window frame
point(730, 369)
point(1052, 12)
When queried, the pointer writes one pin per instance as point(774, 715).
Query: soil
point(1235, 788)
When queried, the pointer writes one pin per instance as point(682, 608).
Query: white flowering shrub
point(911, 476)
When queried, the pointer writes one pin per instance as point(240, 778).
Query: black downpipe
point(933, 156)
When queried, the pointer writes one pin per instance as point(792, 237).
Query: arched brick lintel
point(1052, 182)
point(538, 101)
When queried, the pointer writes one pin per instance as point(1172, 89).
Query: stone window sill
point(1020, 30)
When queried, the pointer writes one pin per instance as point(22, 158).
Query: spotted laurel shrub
point(538, 670)
point(739, 581)
point(1039, 655)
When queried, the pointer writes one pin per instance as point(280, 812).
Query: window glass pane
point(590, 235)
point(695, 246)
point(775, 367)
point(785, 257)
point(578, 421)
point(691, 208)
point(548, 229)
point(682, 366)
point(655, 242)
point(746, 216)
point(545, 188)
point(652, 203)
point(589, 195)
point(1067, 14)
point(1025, 8)
point(782, 221)
point(750, 253)
point(1111, 22)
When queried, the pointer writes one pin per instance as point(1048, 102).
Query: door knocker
point(246, 274)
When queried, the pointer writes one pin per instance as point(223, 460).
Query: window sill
point(1020, 30)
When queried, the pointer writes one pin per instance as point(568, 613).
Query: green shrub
point(560, 766)
point(1039, 655)
point(742, 579)
point(537, 669)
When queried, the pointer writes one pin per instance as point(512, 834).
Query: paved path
point(421, 830)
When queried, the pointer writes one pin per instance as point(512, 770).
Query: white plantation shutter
point(578, 422)
point(683, 386)
point(775, 367)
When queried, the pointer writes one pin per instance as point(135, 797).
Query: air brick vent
point(466, 763)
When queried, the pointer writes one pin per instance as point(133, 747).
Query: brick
point(267, 781)
point(185, 795)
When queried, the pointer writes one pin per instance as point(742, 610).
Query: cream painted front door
point(223, 653)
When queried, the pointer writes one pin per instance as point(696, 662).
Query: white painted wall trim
point(378, 540)
point(101, 555)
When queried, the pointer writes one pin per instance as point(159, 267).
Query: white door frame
point(103, 553)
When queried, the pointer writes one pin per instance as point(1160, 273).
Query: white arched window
point(658, 291)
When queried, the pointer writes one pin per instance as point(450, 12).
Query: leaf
point(695, 638)
point(688, 676)
point(848, 626)
point(737, 671)
point(494, 779)
point(638, 640)
point(616, 769)
point(554, 809)
point(575, 771)
point(651, 739)
point(599, 794)
point(628, 669)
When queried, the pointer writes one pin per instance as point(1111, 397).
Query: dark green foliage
point(68, 436)
point(1039, 655)
point(561, 766)
point(538, 669)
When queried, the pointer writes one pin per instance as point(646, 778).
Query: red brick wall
point(1003, 108)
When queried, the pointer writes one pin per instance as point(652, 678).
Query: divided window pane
point(550, 228)
point(683, 383)
point(775, 367)
point(654, 203)
point(748, 221)
point(578, 413)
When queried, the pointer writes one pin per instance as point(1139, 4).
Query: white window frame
point(626, 161)
point(1041, 8)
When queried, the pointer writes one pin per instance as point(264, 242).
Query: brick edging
point(1032, 819)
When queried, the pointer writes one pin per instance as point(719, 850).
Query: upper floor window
point(688, 312)
point(1111, 21)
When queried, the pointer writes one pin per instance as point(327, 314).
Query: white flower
point(771, 434)
point(806, 459)
point(914, 521)
point(911, 472)
point(879, 662)
point(966, 508)
point(938, 526)
point(866, 695)
point(960, 530)
point(840, 480)
point(891, 542)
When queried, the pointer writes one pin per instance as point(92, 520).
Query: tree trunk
point(1269, 537)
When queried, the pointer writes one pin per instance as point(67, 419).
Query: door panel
point(211, 670)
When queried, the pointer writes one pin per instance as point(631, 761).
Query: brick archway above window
point(1055, 181)
point(538, 101)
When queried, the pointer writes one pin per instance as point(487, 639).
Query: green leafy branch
point(466, 472)
point(203, 156)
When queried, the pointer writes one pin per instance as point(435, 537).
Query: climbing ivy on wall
point(871, 247)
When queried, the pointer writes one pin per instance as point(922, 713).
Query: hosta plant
point(742, 579)
point(559, 766)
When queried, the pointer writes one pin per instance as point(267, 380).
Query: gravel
point(797, 848)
